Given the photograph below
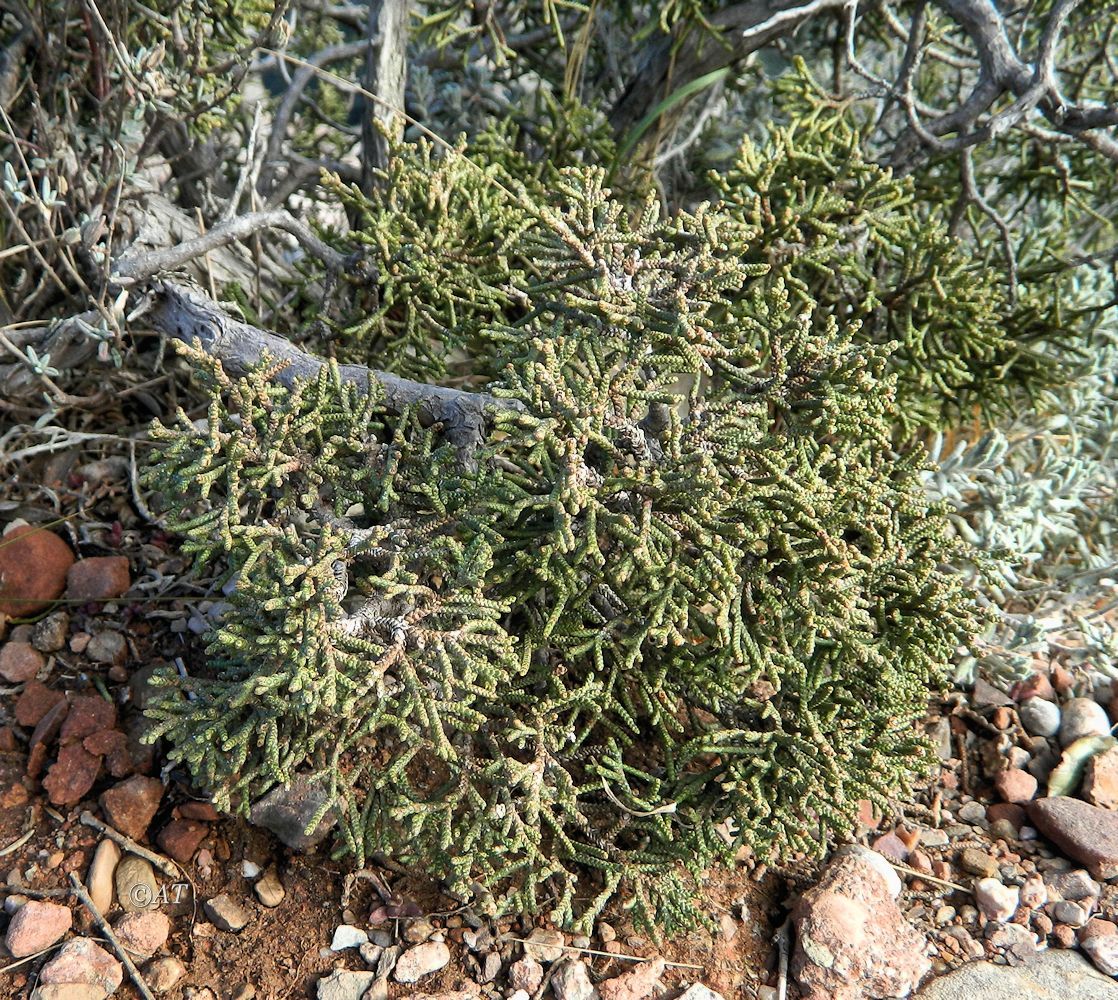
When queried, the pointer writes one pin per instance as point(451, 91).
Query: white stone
point(998, 902)
point(345, 985)
point(249, 869)
point(1102, 950)
point(571, 981)
point(348, 936)
point(1082, 717)
point(1039, 717)
point(545, 945)
point(700, 992)
point(420, 961)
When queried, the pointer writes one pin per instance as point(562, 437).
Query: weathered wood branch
point(1005, 72)
point(385, 76)
point(187, 315)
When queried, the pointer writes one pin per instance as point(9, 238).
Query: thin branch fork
point(137, 265)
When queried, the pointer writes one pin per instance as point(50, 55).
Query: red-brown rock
point(867, 815)
point(105, 741)
point(1062, 679)
point(1036, 686)
point(1097, 927)
point(892, 847)
point(100, 578)
point(88, 714)
point(33, 565)
point(20, 661)
point(1010, 811)
point(852, 941)
point(203, 811)
point(72, 775)
point(1100, 779)
point(131, 805)
point(37, 699)
point(1015, 785)
point(1084, 832)
point(180, 838)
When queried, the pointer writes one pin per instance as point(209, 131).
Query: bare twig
point(307, 71)
point(251, 172)
point(134, 265)
point(670, 63)
point(971, 192)
point(604, 954)
point(165, 865)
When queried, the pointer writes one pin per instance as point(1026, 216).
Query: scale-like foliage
point(854, 242)
point(689, 599)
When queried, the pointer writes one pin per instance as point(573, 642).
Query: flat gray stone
point(1051, 975)
point(287, 811)
point(345, 985)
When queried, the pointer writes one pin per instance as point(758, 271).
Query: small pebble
point(418, 931)
point(249, 869)
point(269, 890)
point(226, 913)
point(1016, 786)
point(973, 812)
point(545, 945)
point(136, 888)
point(163, 974)
point(978, 862)
point(370, 953)
point(1067, 911)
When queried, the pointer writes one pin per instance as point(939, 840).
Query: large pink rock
point(144, 932)
point(1085, 833)
point(37, 925)
point(637, 984)
point(852, 942)
point(81, 961)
